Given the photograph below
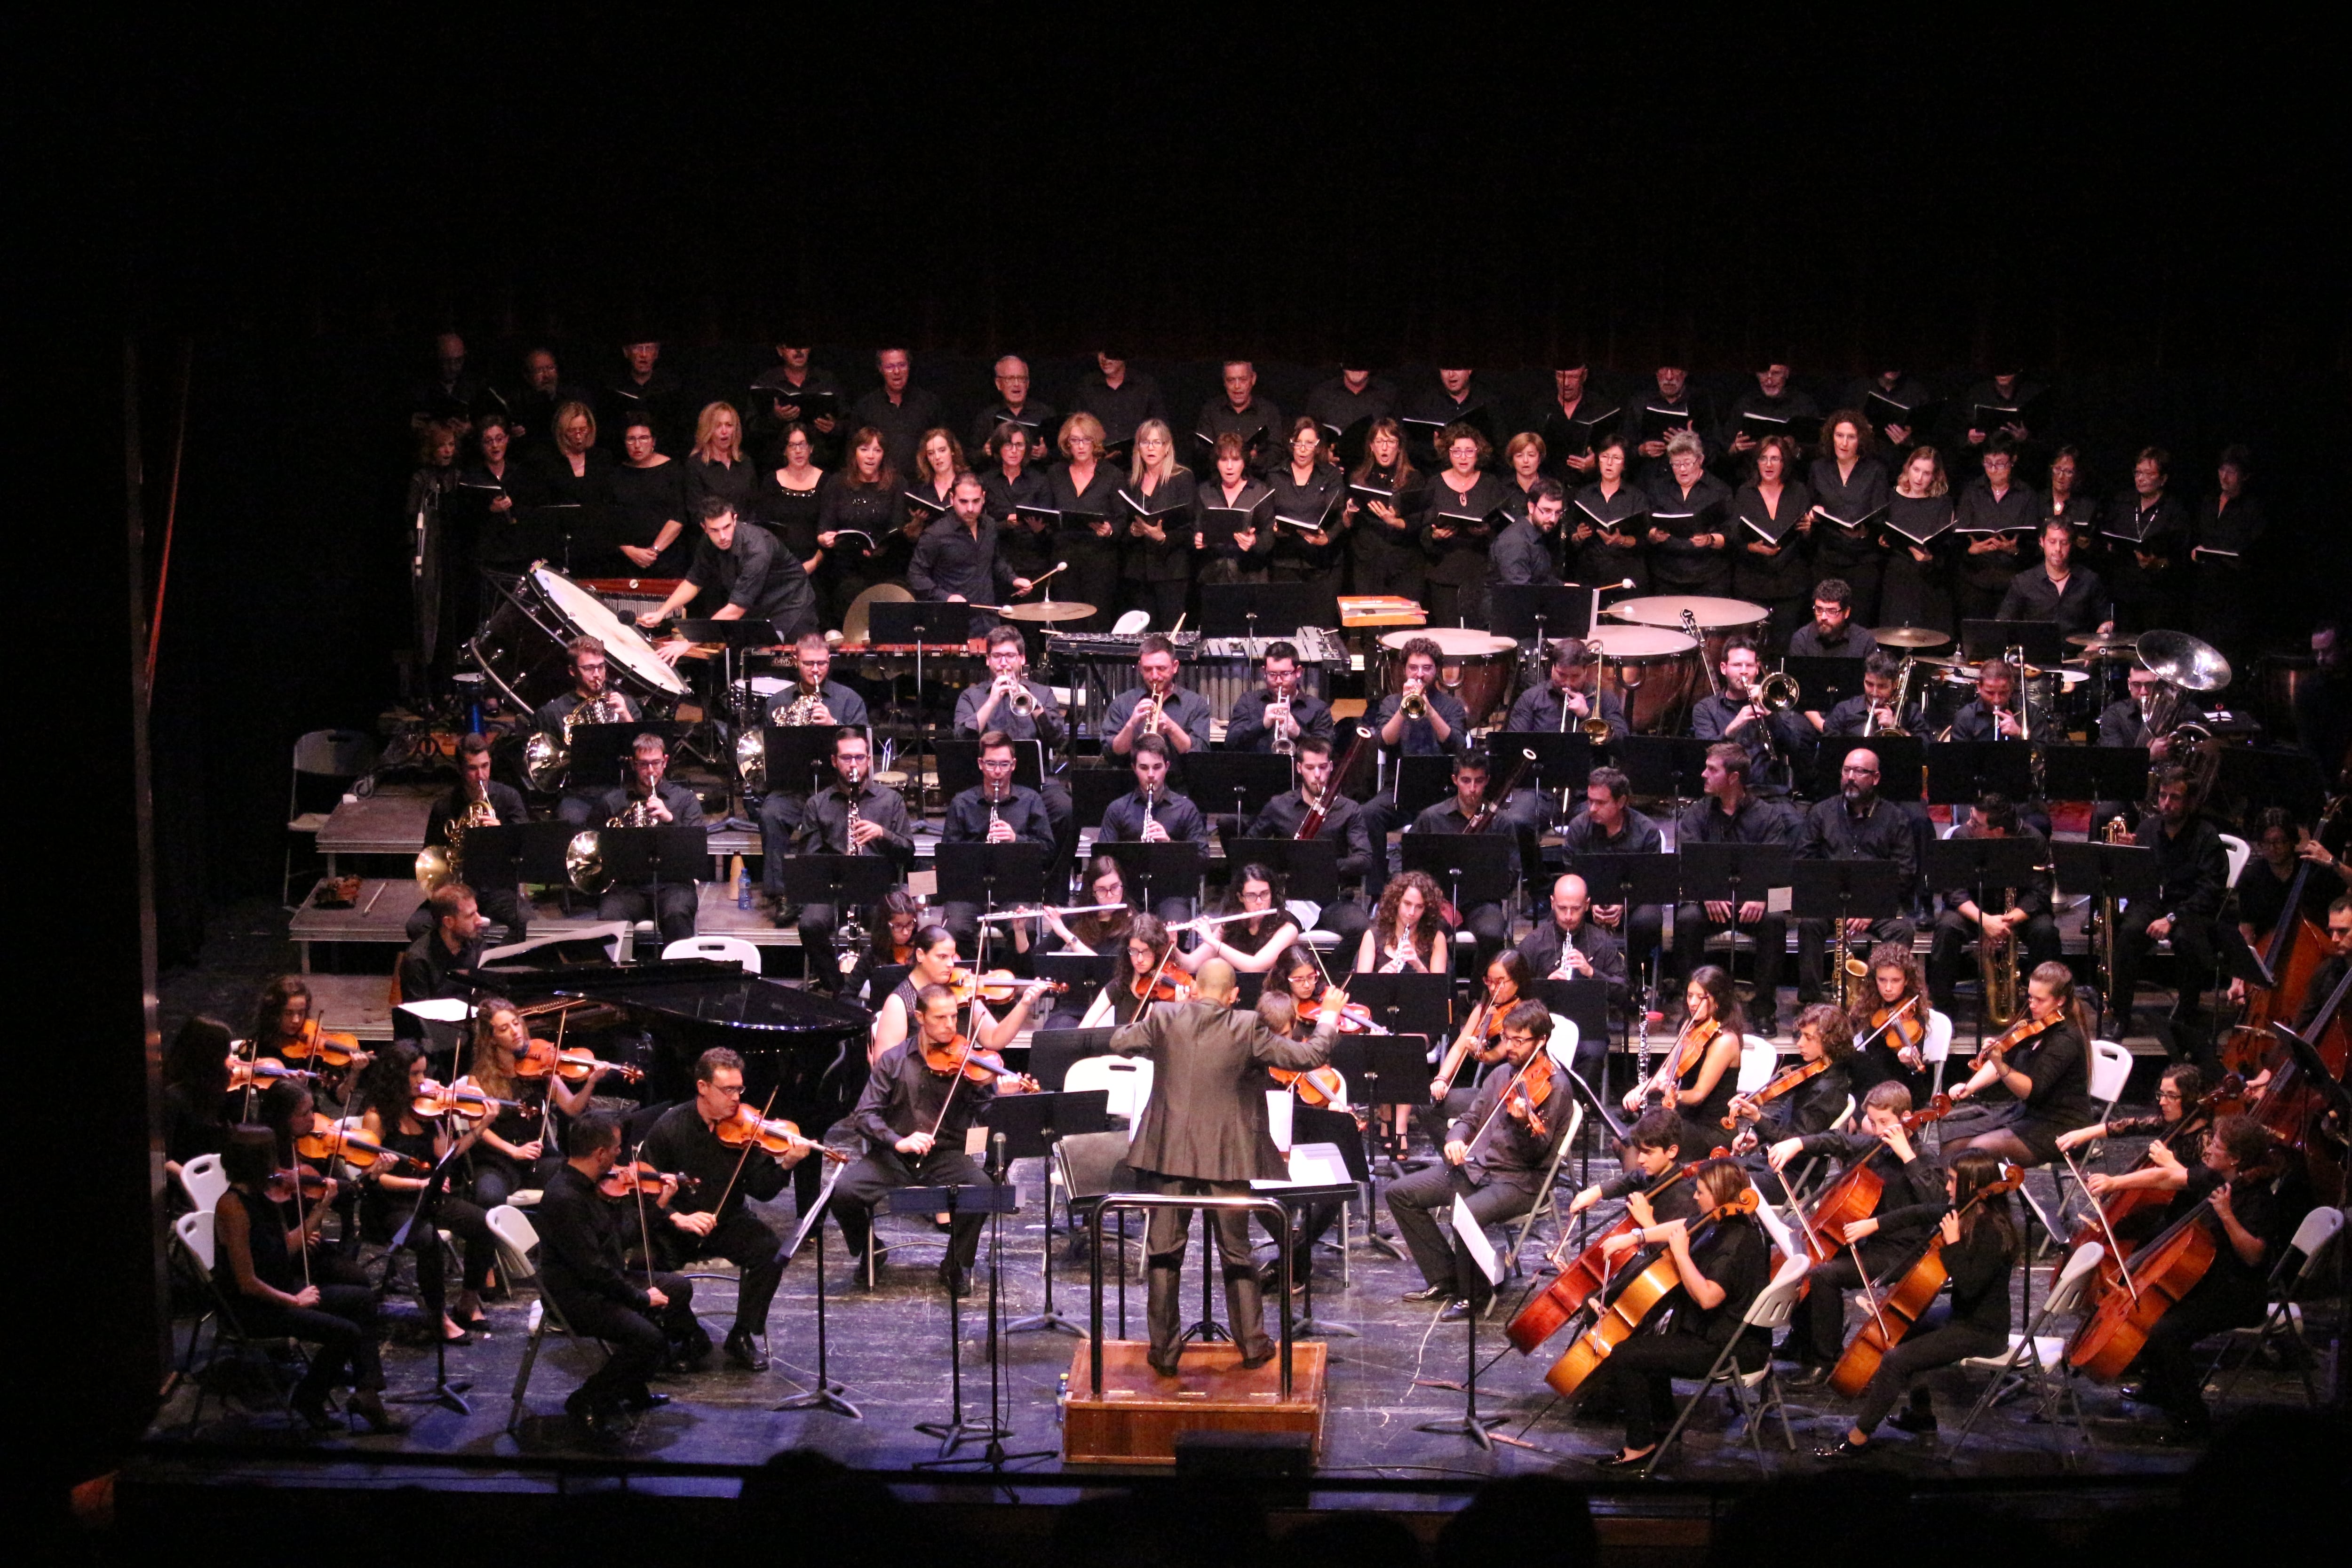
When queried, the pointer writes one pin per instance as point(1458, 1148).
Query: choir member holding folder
point(1606, 520)
point(1917, 588)
point(1690, 523)
point(1081, 494)
point(1458, 526)
point(1384, 516)
point(1308, 494)
point(1994, 525)
point(1153, 511)
point(1771, 558)
point(1234, 516)
point(1573, 422)
point(1850, 495)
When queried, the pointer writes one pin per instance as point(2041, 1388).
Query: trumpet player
point(1272, 717)
point(591, 700)
point(2023, 915)
point(657, 803)
point(1179, 716)
point(477, 800)
point(1021, 709)
point(1419, 719)
point(995, 811)
point(1855, 824)
point(853, 816)
point(1738, 713)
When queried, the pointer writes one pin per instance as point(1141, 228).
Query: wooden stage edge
point(1141, 1414)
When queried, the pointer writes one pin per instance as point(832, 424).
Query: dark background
point(2149, 221)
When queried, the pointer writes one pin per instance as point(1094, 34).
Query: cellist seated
point(1496, 1155)
point(1864, 1249)
point(2177, 1134)
point(1653, 1149)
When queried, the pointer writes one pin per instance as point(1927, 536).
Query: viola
point(323, 1046)
point(572, 1064)
point(460, 1099)
point(1314, 1086)
point(297, 1181)
point(628, 1180)
point(247, 1075)
point(1854, 1193)
point(329, 1139)
point(774, 1134)
point(1574, 1285)
point(1636, 1291)
point(960, 1056)
point(1786, 1080)
point(2026, 1028)
point(998, 985)
point(1890, 1313)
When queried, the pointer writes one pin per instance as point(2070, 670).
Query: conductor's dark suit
point(1204, 1130)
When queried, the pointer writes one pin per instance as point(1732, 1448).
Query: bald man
point(1204, 1130)
point(1568, 946)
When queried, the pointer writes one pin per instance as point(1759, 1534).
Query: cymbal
point(1053, 610)
point(2094, 643)
point(1948, 661)
point(1911, 637)
point(2183, 660)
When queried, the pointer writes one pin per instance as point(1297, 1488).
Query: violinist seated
point(1880, 1241)
point(1889, 1020)
point(995, 707)
point(1255, 944)
point(2151, 709)
point(930, 956)
point(2192, 870)
point(515, 1150)
point(1436, 725)
point(196, 1113)
point(477, 800)
point(1477, 1049)
point(1489, 922)
point(1152, 975)
point(2026, 918)
point(1700, 1071)
point(813, 698)
point(1284, 817)
point(1652, 1154)
point(257, 1252)
point(1855, 824)
point(671, 906)
point(1980, 1257)
point(1177, 715)
point(993, 811)
point(2256, 1200)
point(593, 699)
point(1799, 1100)
point(389, 1094)
point(921, 1098)
point(1149, 813)
point(435, 962)
point(646, 1317)
point(852, 816)
point(2176, 1141)
point(1496, 1155)
point(1721, 1269)
point(708, 1214)
point(288, 1110)
point(2035, 1081)
point(1609, 825)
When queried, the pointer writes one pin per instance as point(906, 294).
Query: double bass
point(2296, 949)
point(1890, 1313)
point(1647, 1280)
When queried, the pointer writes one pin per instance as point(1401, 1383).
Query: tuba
point(583, 858)
point(437, 864)
point(1996, 970)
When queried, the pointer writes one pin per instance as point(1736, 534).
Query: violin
point(1891, 1312)
point(1525, 1099)
point(329, 1139)
point(247, 1075)
point(1314, 1086)
point(628, 1180)
point(1901, 1025)
point(1787, 1078)
point(572, 1064)
point(998, 985)
point(960, 1056)
point(323, 1045)
point(1164, 988)
point(1649, 1279)
point(1574, 1285)
point(1354, 1017)
point(774, 1134)
point(1693, 1046)
point(2026, 1028)
point(297, 1181)
point(460, 1099)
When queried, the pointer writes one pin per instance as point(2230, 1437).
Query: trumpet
point(1277, 713)
point(1415, 703)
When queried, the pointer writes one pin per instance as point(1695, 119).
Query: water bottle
point(742, 887)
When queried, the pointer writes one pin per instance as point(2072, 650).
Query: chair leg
point(2002, 1377)
point(522, 1372)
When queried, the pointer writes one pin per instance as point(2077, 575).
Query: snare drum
point(1474, 668)
point(521, 646)
point(1653, 671)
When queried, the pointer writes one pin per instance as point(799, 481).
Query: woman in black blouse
point(1917, 588)
point(2068, 498)
point(718, 466)
point(2043, 1087)
point(1777, 576)
point(486, 506)
point(1523, 462)
point(791, 499)
point(1383, 534)
point(1690, 523)
point(855, 513)
point(1605, 523)
point(571, 473)
point(393, 1080)
point(2223, 539)
point(1453, 527)
point(1993, 525)
point(649, 494)
point(1084, 483)
point(257, 1252)
point(1007, 482)
point(1308, 488)
point(1245, 559)
point(1848, 484)
point(1157, 564)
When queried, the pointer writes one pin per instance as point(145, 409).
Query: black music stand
point(1629, 879)
point(1563, 761)
point(1092, 788)
point(444, 1392)
point(1175, 867)
point(1539, 615)
point(960, 765)
point(1052, 1051)
point(1833, 889)
point(1309, 1126)
point(2101, 871)
point(1900, 757)
point(992, 875)
point(1310, 868)
point(845, 882)
point(1264, 612)
point(2273, 777)
point(600, 752)
point(517, 852)
point(1585, 1003)
point(1238, 782)
point(800, 756)
point(1666, 767)
point(827, 1394)
point(1961, 772)
point(1420, 782)
point(1979, 865)
point(2095, 773)
point(1823, 682)
point(671, 852)
point(2044, 642)
point(1400, 1061)
point(916, 623)
point(1733, 872)
point(1031, 1124)
point(1086, 973)
point(995, 1200)
point(1473, 868)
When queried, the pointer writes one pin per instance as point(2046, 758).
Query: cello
point(1586, 1273)
point(2126, 1201)
point(2131, 1305)
point(1890, 1313)
point(2296, 949)
point(1854, 1191)
point(1647, 1280)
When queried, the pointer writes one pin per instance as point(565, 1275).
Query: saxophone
point(1997, 970)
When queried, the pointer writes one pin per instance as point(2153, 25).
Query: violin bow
point(957, 1081)
point(645, 1228)
point(1901, 1008)
point(729, 1189)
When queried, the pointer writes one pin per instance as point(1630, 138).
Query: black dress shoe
point(1256, 1359)
point(1843, 1448)
point(747, 1350)
point(1165, 1368)
point(1913, 1418)
point(1429, 1293)
point(644, 1399)
point(379, 1420)
point(1805, 1379)
point(1455, 1310)
point(311, 1405)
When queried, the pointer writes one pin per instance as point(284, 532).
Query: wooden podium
point(1137, 1419)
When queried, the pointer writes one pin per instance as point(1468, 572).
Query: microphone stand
point(442, 1393)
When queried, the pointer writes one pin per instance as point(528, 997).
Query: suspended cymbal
point(1949, 661)
point(1911, 637)
point(2094, 643)
point(1058, 610)
point(2183, 660)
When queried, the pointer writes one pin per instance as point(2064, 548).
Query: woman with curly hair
point(1895, 979)
point(1408, 931)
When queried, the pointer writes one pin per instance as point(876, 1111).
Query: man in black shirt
point(581, 1271)
point(641, 387)
point(981, 709)
point(1343, 823)
point(1149, 813)
point(2192, 870)
point(757, 578)
point(1568, 946)
point(995, 811)
point(2330, 975)
point(479, 801)
point(1670, 406)
point(1737, 716)
point(1894, 403)
point(710, 1216)
point(1013, 405)
point(531, 410)
point(593, 699)
point(1294, 712)
point(813, 699)
point(802, 394)
point(1489, 922)
point(854, 815)
point(1999, 712)
point(1610, 826)
point(452, 394)
point(2027, 918)
point(1731, 814)
point(2126, 722)
point(1241, 411)
point(1569, 421)
point(2058, 590)
point(1442, 728)
point(1574, 670)
point(1881, 674)
point(1831, 633)
point(672, 905)
point(1120, 398)
point(1855, 824)
point(957, 560)
point(429, 969)
point(1453, 400)
point(899, 411)
point(1528, 549)
point(1176, 714)
point(1652, 1154)
point(1774, 398)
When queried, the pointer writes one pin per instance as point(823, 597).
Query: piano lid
point(710, 992)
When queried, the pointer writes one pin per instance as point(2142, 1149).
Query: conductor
point(1204, 1132)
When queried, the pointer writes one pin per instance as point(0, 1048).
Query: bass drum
point(1653, 672)
point(521, 646)
point(1476, 669)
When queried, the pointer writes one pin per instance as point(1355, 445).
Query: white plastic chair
point(202, 1180)
point(2037, 1359)
point(1756, 1060)
point(1844, 1123)
point(2313, 1238)
point(1128, 1079)
point(1753, 1393)
point(722, 948)
point(2111, 1066)
point(1130, 621)
point(1551, 1176)
point(335, 754)
point(1936, 1048)
point(2239, 852)
point(1783, 1238)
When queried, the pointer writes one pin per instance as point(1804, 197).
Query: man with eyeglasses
point(1855, 825)
point(995, 811)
